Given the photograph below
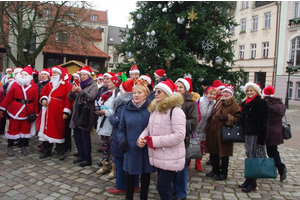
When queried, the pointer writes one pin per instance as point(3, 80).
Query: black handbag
point(286, 130)
point(260, 167)
point(82, 113)
point(231, 134)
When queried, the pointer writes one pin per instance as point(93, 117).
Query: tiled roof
point(113, 35)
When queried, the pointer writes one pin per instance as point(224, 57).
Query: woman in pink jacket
point(164, 136)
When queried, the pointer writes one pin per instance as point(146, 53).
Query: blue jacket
point(115, 120)
point(133, 121)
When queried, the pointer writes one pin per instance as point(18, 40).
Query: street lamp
point(288, 70)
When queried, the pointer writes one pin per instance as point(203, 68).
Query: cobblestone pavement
point(28, 177)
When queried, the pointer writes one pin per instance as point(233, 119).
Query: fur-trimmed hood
point(174, 100)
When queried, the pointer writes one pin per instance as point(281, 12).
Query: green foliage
point(184, 40)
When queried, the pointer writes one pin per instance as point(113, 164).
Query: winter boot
point(198, 165)
point(24, 150)
point(112, 173)
point(243, 185)
point(104, 168)
point(250, 186)
point(10, 151)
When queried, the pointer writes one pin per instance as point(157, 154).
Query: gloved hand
point(223, 117)
point(149, 142)
point(124, 147)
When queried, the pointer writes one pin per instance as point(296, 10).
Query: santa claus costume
point(20, 101)
point(56, 108)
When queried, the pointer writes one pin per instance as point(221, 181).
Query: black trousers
point(130, 182)
point(68, 138)
point(273, 153)
point(215, 162)
point(164, 183)
point(48, 148)
point(24, 142)
point(3, 123)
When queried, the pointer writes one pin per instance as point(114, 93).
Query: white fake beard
point(55, 81)
point(23, 80)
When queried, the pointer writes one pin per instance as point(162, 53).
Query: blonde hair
point(211, 90)
point(142, 87)
point(258, 93)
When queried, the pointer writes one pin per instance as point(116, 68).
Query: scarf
point(217, 109)
point(138, 105)
point(250, 99)
point(83, 84)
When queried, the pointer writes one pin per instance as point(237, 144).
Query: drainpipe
point(276, 42)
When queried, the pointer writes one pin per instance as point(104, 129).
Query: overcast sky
point(118, 11)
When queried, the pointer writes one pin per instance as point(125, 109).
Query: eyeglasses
point(157, 91)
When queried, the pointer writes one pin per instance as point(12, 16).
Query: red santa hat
point(167, 86)
point(229, 89)
point(109, 74)
point(45, 71)
point(18, 70)
point(255, 86)
point(187, 82)
point(100, 76)
point(77, 75)
point(9, 69)
point(86, 69)
point(218, 85)
point(269, 91)
point(147, 78)
point(116, 81)
point(134, 69)
point(210, 88)
point(27, 70)
point(127, 86)
point(58, 70)
point(160, 73)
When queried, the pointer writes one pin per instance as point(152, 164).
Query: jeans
point(164, 183)
point(121, 174)
point(83, 143)
point(180, 181)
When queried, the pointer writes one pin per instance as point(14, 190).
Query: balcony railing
point(293, 23)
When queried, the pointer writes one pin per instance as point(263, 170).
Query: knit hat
point(100, 76)
point(116, 81)
point(160, 73)
point(205, 82)
point(134, 69)
point(127, 86)
point(109, 74)
point(9, 69)
point(229, 89)
point(167, 86)
point(45, 71)
point(86, 69)
point(218, 85)
point(27, 70)
point(269, 91)
point(147, 78)
point(58, 70)
point(187, 82)
point(255, 86)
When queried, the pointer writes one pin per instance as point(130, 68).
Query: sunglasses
point(157, 91)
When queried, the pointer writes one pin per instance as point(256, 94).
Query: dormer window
point(47, 11)
point(94, 17)
point(71, 15)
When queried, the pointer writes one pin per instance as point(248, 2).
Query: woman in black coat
point(275, 137)
point(255, 119)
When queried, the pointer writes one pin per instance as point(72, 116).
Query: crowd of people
point(142, 124)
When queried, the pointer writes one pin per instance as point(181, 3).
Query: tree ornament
point(168, 63)
point(133, 24)
point(201, 79)
point(159, 6)
point(139, 16)
point(128, 55)
point(172, 56)
point(242, 88)
point(180, 2)
point(152, 33)
point(128, 35)
point(207, 45)
point(180, 20)
point(218, 60)
point(148, 33)
point(168, 27)
point(192, 15)
point(151, 42)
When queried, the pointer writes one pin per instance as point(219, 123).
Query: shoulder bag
point(82, 113)
point(193, 151)
point(286, 130)
point(260, 167)
point(232, 133)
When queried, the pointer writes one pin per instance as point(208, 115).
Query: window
point(245, 4)
point(115, 58)
point(253, 51)
point(246, 78)
point(265, 49)
point(267, 20)
point(290, 93)
point(260, 78)
point(47, 11)
point(297, 10)
point(71, 15)
point(52, 62)
point(295, 51)
point(94, 17)
point(243, 25)
point(298, 90)
point(232, 49)
point(62, 36)
point(232, 30)
point(95, 65)
point(254, 23)
point(242, 51)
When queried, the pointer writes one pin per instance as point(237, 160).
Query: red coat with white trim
point(17, 110)
point(52, 125)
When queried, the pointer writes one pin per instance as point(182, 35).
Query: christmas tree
point(181, 37)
